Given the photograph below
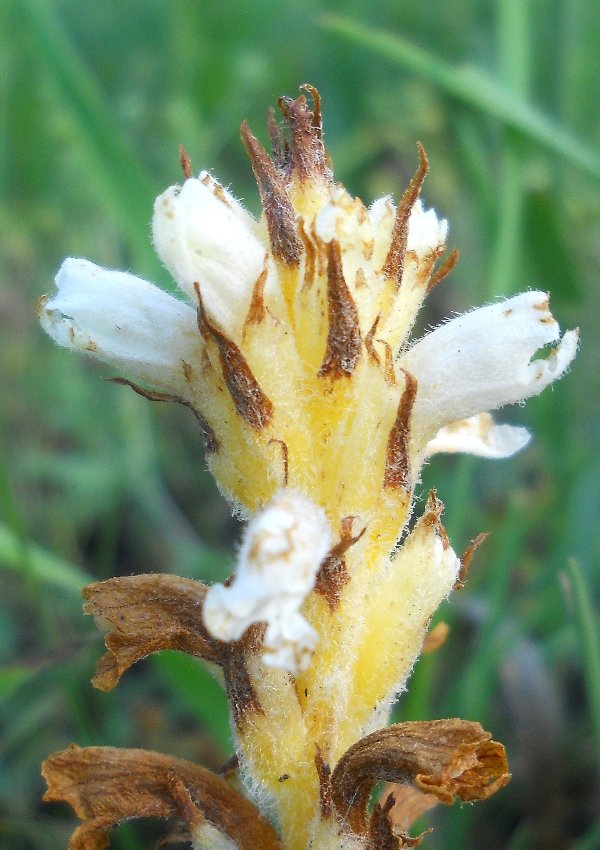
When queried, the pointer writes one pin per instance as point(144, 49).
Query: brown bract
point(467, 557)
point(145, 614)
point(397, 468)
point(344, 344)
point(333, 573)
point(447, 758)
point(107, 785)
point(447, 266)
point(305, 157)
point(248, 397)
point(434, 508)
point(211, 443)
point(277, 206)
point(149, 613)
point(299, 156)
point(394, 262)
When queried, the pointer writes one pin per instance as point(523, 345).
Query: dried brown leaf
point(148, 613)
point(448, 758)
point(107, 785)
point(145, 614)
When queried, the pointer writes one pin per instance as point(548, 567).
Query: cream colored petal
point(426, 233)
point(480, 436)
point(282, 550)
point(483, 360)
point(141, 331)
point(202, 239)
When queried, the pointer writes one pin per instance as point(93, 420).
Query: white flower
point(320, 290)
point(484, 360)
point(134, 326)
point(204, 237)
point(283, 547)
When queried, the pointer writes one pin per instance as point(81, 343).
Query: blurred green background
point(95, 481)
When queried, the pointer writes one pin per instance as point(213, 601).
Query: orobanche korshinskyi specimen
point(290, 344)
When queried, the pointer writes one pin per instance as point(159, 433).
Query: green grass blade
point(514, 44)
point(11, 678)
point(119, 175)
point(472, 86)
point(513, 64)
point(44, 566)
point(590, 645)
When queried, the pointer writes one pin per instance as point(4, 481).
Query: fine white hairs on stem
point(282, 549)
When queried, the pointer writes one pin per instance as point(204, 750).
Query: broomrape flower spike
point(290, 343)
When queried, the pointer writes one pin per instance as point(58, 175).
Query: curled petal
point(202, 239)
point(107, 785)
point(479, 435)
point(447, 758)
point(279, 559)
point(123, 320)
point(483, 360)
